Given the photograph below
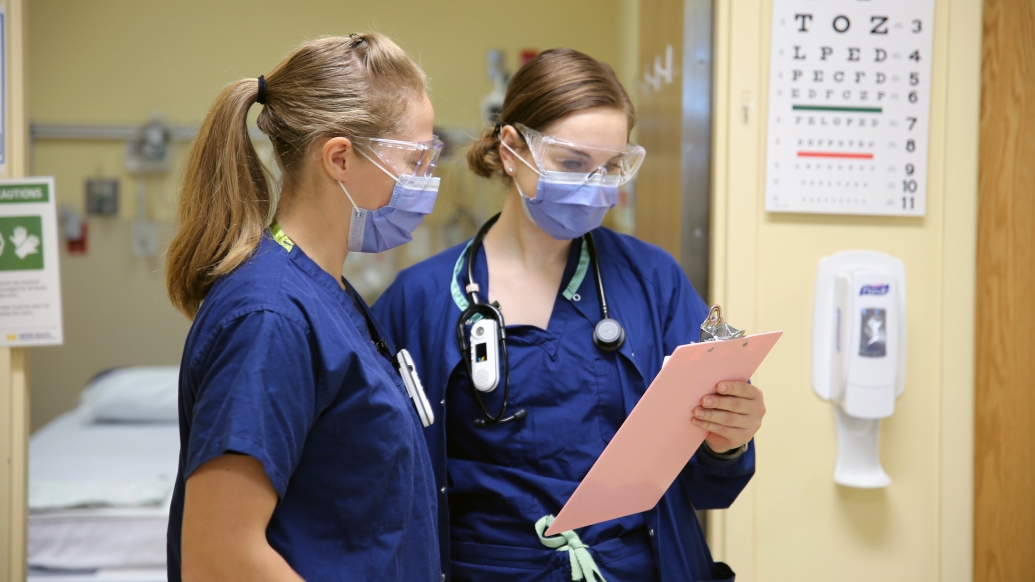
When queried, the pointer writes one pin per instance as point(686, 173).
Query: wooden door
point(1004, 463)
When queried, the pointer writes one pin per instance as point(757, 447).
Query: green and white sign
point(30, 281)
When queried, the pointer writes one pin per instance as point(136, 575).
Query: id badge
point(414, 389)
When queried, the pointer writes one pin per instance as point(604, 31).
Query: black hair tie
point(496, 130)
point(261, 99)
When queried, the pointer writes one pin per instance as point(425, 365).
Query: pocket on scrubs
point(626, 559)
point(610, 402)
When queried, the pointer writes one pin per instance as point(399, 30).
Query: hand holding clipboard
point(657, 440)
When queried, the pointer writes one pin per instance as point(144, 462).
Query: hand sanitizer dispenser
point(859, 355)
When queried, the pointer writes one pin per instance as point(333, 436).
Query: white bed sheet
point(116, 575)
point(67, 449)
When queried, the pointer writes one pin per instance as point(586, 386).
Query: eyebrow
point(579, 152)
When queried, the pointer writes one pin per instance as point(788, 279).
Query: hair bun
point(484, 156)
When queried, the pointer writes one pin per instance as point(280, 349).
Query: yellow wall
point(793, 522)
point(123, 61)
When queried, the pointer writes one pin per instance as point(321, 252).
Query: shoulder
point(643, 260)
point(262, 288)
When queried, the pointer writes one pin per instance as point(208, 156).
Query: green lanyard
point(569, 292)
point(281, 238)
point(382, 345)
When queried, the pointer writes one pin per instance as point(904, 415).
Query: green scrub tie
point(582, 565)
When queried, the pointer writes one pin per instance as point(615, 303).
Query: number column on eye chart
point(848, 109)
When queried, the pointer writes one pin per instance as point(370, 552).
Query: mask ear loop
point(349, 196)
point(379, 166)
point(522, 158)
point(518, 184)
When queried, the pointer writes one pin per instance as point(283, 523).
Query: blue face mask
point(374, 231)
point(567, 205)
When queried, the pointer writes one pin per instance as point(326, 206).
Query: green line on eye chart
point(832, 108)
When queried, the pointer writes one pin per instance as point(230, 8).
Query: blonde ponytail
point(224, 201)
point(359, 86)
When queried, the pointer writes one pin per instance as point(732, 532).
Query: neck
point(312, 217)
point(516, 238)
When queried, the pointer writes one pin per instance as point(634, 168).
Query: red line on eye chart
point(835, 155)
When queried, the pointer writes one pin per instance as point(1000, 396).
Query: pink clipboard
point(657, 440)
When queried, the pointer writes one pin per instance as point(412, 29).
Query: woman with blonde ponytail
point(301, 454)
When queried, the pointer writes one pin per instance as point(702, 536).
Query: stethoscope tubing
point(489, 310)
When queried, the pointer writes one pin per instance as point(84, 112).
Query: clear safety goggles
point(405, 158)
point(553, 154)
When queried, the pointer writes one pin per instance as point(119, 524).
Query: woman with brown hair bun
point(528, 404)
point(301, 454)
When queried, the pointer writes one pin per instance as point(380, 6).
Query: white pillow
point(133, 394)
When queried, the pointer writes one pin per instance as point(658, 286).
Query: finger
point(730, 403)
point(740, 389)
point(730, 433)
point(730, 419)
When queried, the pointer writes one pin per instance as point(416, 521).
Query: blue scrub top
point(280, 365)
point(495, 482)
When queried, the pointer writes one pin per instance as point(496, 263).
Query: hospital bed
point(101, 479)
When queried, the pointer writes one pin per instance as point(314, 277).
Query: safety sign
point(30, 280)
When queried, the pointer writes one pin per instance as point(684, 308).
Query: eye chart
point(849, 105)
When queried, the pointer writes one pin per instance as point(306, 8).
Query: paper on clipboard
point(657, 440)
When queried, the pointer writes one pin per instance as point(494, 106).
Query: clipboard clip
point(715, 327)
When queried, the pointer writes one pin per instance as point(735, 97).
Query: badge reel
point(414, 389)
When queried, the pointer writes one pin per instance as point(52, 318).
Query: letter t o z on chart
point(849, 106)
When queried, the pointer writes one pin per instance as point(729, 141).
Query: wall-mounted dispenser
point(859, 355)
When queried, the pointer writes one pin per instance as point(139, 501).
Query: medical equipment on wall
point(147, 155)
point(484, 351)
point(859, 355)
point(500, 76)
point(102, 196)
point(73, 229)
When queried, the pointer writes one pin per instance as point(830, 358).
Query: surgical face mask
point(374, 231)
point(567, 205)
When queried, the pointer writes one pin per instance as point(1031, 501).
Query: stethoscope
point(482, 354)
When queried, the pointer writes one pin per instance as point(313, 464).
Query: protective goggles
point(553, 154)
point(405, 158)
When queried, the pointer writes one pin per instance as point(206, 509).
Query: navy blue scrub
point(280, 365)
point(495, 482)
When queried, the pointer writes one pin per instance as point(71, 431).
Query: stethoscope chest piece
point(609, 335)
